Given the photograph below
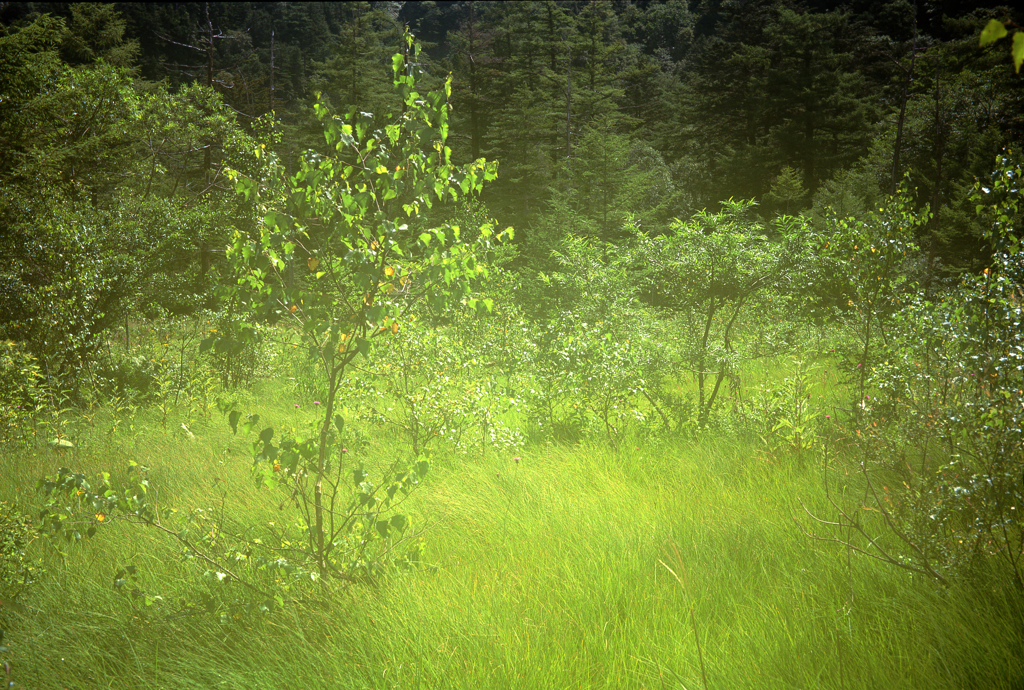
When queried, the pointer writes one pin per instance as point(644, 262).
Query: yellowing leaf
point(313, 263)
point(388, 271)
point(992, 32)
point(394, 327)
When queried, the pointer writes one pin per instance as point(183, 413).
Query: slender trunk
point(204, 249)
point(939, 153)
point(702, 365)
point(271, 70)
point(321, 469)
point(568, 115)
point(903, 110)
point(705, 413)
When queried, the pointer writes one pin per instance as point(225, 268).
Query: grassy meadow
point(659, 561)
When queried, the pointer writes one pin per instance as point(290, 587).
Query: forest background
point(596, 111)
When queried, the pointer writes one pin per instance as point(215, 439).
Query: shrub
point(20, 381)
point(939, 441)
point(16, 572)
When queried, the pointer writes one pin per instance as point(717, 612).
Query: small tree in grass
point(344, 252)
point(703, 273)
point(940, 448)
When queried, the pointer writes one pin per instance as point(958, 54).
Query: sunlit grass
point(579, 566)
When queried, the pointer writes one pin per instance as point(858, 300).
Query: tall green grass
point(577, 567)
point(658, 562)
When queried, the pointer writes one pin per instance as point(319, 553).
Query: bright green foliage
point(937, 431)
point(16, 571)
point(644, 318)
point(438, 385)
point(875, 256)
point(343, 254)
point(72, 497)
point(786, 420)
point(953, 384)
point(703, 274)
point(586, 379)
point(20, 379)
point(590, 364)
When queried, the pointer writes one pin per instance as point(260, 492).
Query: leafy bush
point(20, 380)
point(872, 261)
point(352, 225)
point(586, 379)
point(939, 441)
point(785, 418)
point(16, 572)
point(703, 275)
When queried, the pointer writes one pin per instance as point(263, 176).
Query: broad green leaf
point(250, 421)
point(992, 32)
point(1018, 50)
point(375, 314)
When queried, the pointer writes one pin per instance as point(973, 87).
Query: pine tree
point(472, 62)
point(358, 72)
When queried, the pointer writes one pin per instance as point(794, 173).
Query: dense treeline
point(595, 110)
point(119, 123)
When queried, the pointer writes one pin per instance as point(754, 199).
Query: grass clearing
point(650, 562)
point(576, 567)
